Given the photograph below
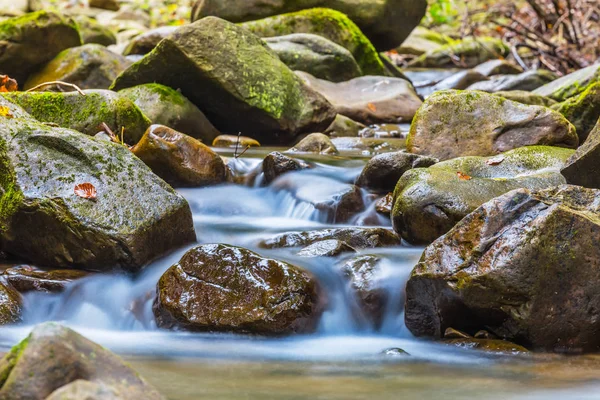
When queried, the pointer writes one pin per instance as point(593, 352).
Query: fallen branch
point(72, 86)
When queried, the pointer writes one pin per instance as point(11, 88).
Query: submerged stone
point(357, 238)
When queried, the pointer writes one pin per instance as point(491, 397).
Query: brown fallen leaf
point(5, 112)
point(7, 84)
point(463, 177)
point(495, 160)
point(371, 107)
point(86, 191)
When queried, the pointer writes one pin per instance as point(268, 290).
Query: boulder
point(54, 361)
point(217, 287)
point(276, 164)
point(316, 55)
point(422, 40)
point(383, 171)
point(326, 248)
point(369, 99)
point(91, 66)
point(387, 23)
point(94, 32)
point(467, 53)
point(11, 306)
point(357, 238)
point(71, 201)
point(522, 266)
point(165, 106)
point(330, 24)
point(583, 168)
point(384, 205)
point(429, 202)
point(583, 110)
point(344, 127)
point(471, 123)
point(179, 159)
point(235, 80)
point(31, 40)
point(241, 142)
point(527, 81)
point(85, 113)
point(524, 97)
point(25, 278)
point(572, 84)
point(315, 143)
point(497, 67)
point(460, 80)
point(147, 41)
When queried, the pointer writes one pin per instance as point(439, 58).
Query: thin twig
point(237, 143)
point(57, 83)
point(517, 57)
point(242, 153)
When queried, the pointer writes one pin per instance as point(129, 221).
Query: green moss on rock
point(467, 53)
point(582, 111)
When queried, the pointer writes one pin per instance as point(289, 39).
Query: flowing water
point(344, 359)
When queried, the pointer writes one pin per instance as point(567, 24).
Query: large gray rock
point(583, 168)
point(387, 23)
point(234, 78)
point(572, 84)
point(529, 80)
point(358, 238)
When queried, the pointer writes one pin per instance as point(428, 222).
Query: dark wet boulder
point(497, 67)
point(383, 171)
point(582, 111)
point(572, 84)
point(467, 53)
point(53, 359)
point(315, 143)
point(385, 204)
point(178, 158)
point(91, 66)
point(234, 78)
point(85, 113)
point(166, 106)
point(522, 266)
point(276, 164)
point(147, 41)
point(527, 81)
point(330, 24)
point(25, 278)
point(217, 287)
point(583, 168)
point(11, 306)
point(31, 40)
point(524, 97)
point(429, 202)
point(369, 99)
point(326, 248)
point(471, 123)
point(387, 23)
point(357, 238)
point(316, 55)
point(94, 32)
point(71, 201)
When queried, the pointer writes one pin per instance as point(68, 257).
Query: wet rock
point(385, 204)
point(276, 164)
point(316, 55)
point(387, 23)
point(32, 40)
point(235, 141)
point(315, 143)
point(147, 41)
point(383, 171)
point(326, 248)
point(85, 113)
point(429, 202)
point(385, 131)
point(452, 333)
point(483, 334)
point(85, 390)
point(425, 77)
point(179, 159)
point(522, 266)
point(25, 278)
point(524, 97)
point(527, 81)
point(487, 345)
point(217, 287)
point(344, 127)
point(497, 67)
point(460, 80)
point(369, 99)
point(572, 84)
point(582, 111)
point(235, 80)
point(369, 145)
point(10, 307)
point(421, 41)
point(395, 352)
point(330, 24)
point(357, 238)
point(363, 273)
point(467, 53)
point(55, 362)
point(91, 66)
point(471, 123)
point(583, 168)
point(165, 106)
point(46, 223)
point(93, 32)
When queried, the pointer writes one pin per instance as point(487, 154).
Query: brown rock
point(276, 164)
point(25, 278)
point(583, 168)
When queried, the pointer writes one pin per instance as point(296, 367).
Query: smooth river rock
point(357, 238)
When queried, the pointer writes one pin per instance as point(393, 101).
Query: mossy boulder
point(582, 111)
point(232, 76)
point(357, 238)
point(166, 106)
point(522, 266)
point(330, 24)
point(386, 22)
point(11, 306)
point(53, 357)
point(316, 55)
point(583, 168)
point(422, 40)
point(91, 66)
point(528, 81)
point(344, 127)
point(132, 218)
point(429, 202)
point(93, 31)
point(572, 84)
point(31, 40)
point(179, 159)
point(216, 287)
point(467, 53)
point(471, 123)
point(147, 41)
point(85, 113)
point(315, 143)
point(25, 278)
point(525, 97)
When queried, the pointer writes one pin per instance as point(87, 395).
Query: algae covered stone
point(428, 202)
point(471, 123)
point(133, 218)
point(32, 40)
point(314, 143)
point(232, 76)
point(572, 84)
point(467, 53)
point(93, 31)
point(217, 287)
point(583, 110)
point(85, 113)
point(525, 97)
